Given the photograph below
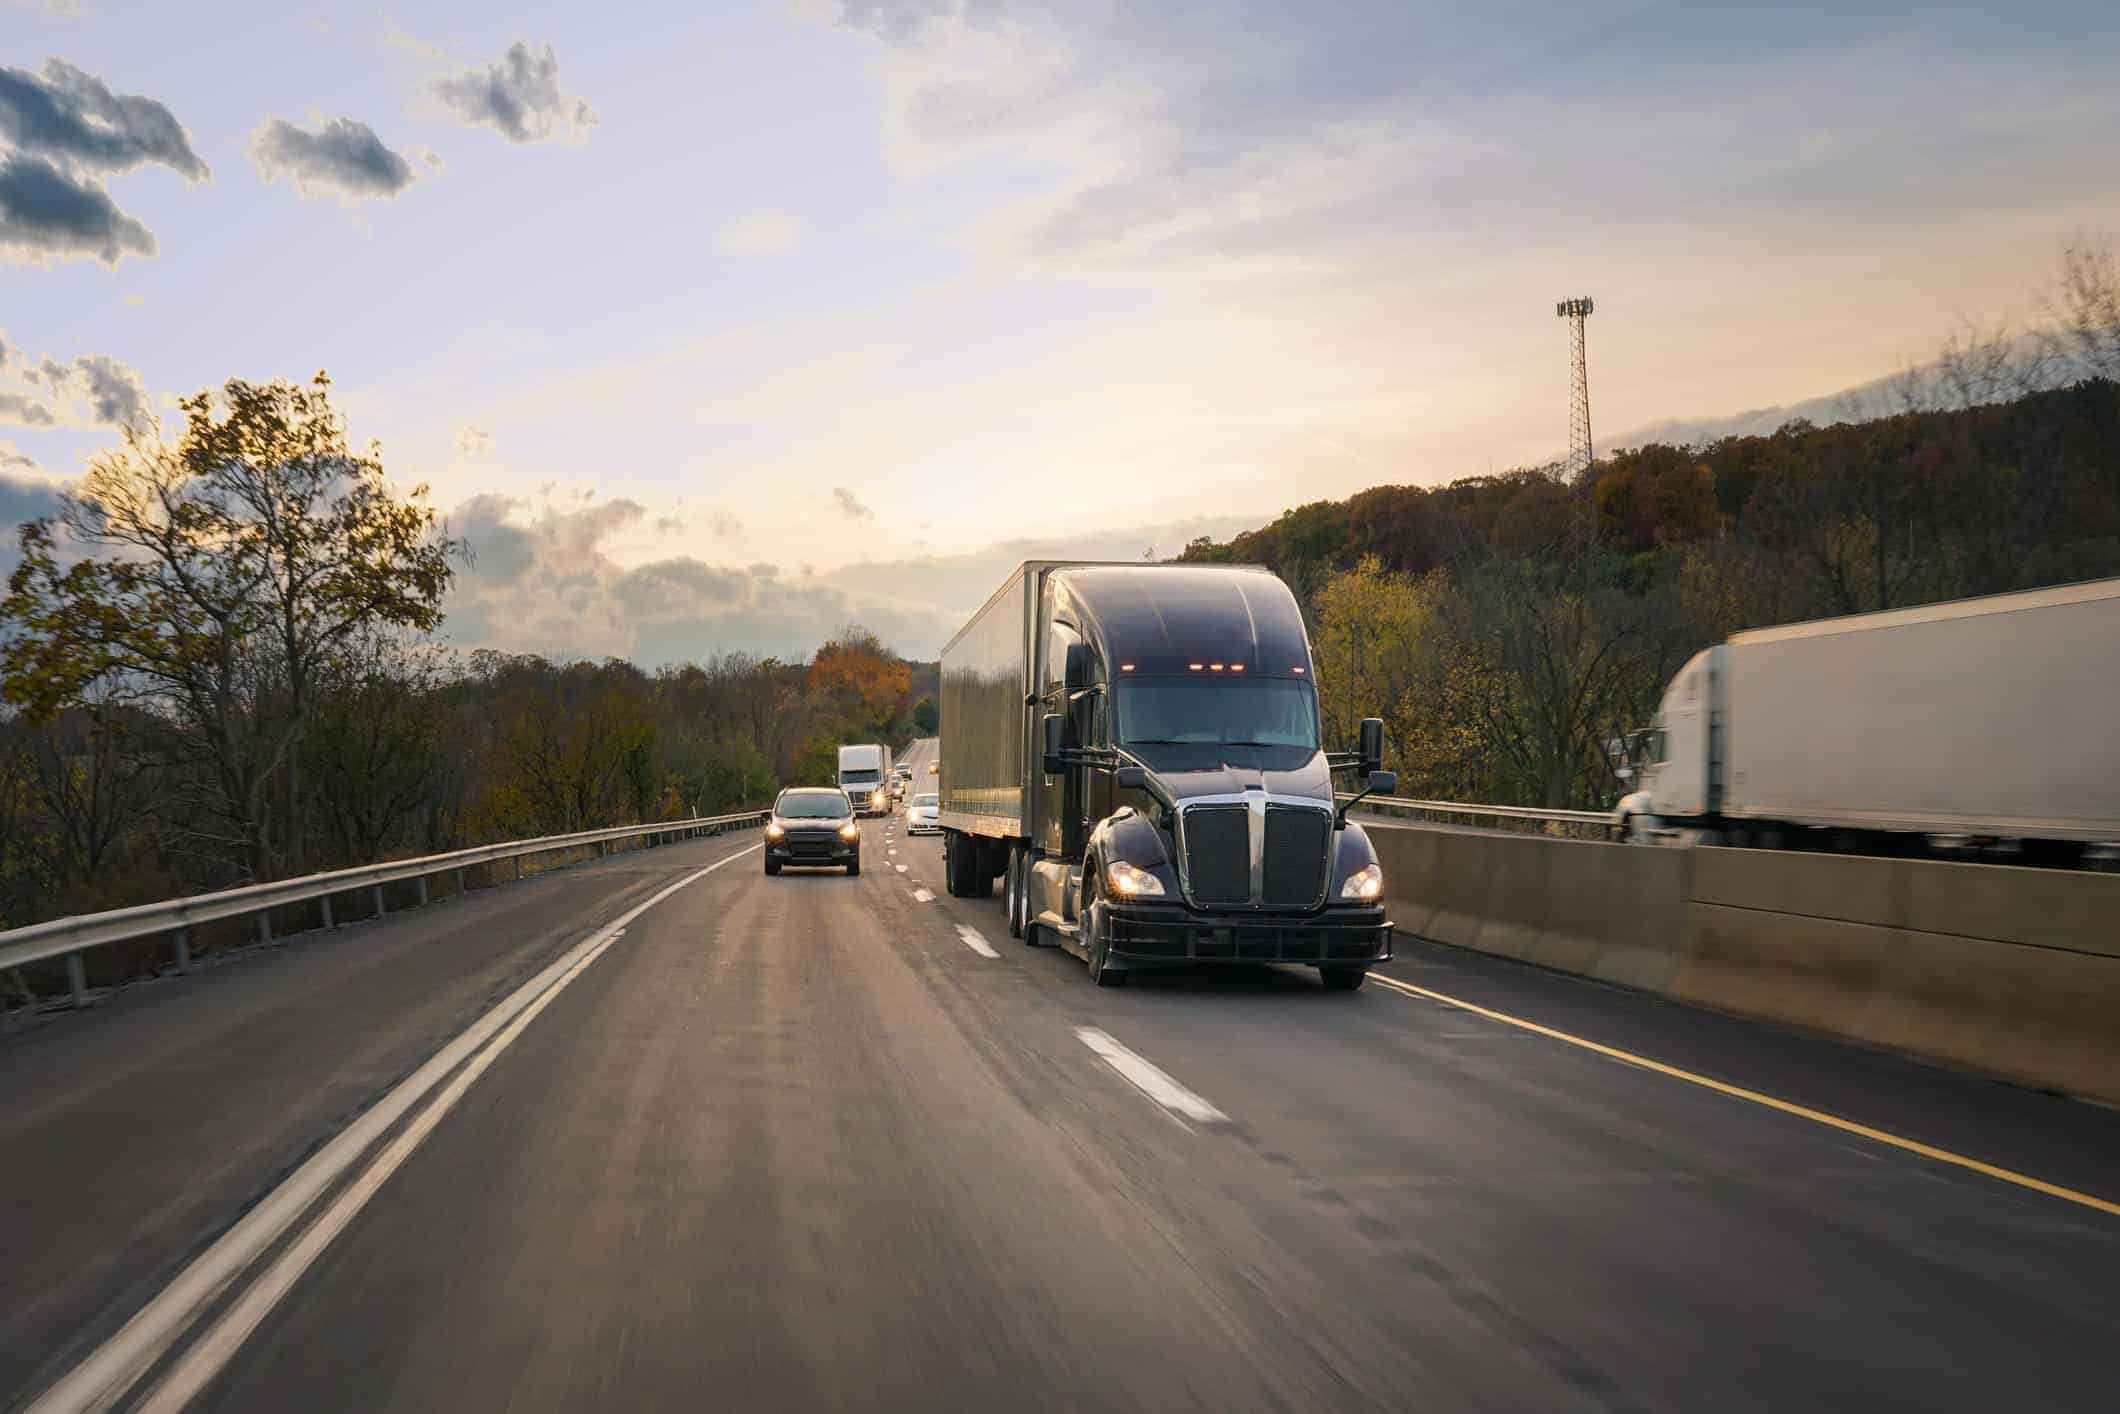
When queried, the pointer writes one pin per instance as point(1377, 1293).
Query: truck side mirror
point(1383, 782)
point(1049, 727)
point(1129, 778)
point(1371, 750)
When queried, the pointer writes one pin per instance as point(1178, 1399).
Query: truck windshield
point(857, 778)
point(1220, 711)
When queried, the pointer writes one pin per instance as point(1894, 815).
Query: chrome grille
point(1218, 854)
point(1297, 844)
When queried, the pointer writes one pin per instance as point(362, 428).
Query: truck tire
point(978, 871)
point(1342, 979)
point(854, 870)
point(952, 863)
point(1097, 941)
point(1012, 892)
point(772, 868)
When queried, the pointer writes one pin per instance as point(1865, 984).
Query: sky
point(714, 326)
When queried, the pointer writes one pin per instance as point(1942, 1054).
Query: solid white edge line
point(206, 1357)
point(1149, 1078)
point(975, 942)
point(110, 1371)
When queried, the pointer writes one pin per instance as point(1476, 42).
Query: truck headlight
point(1133, 883)
point(850, 831)
point(774, 829)
point(1366, 882)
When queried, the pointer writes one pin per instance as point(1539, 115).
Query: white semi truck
point(865, 775)
point(1994, 719)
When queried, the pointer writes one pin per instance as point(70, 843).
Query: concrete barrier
point(2011, 972)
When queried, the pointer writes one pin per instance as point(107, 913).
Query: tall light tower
point(1577, 312)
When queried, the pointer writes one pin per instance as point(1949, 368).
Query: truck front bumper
point(1145, 935)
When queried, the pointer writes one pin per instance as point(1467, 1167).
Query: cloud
point(68, 115)
point(46, 213)
point(851, 505)
point(24, 411)
point(724, 525)
point(114, 390)
point(546, 583)
point(69, 9)
point(63, 125)
point(473, 443)
point(342, 157)
point(518, 97)
point(669, 525)
point(760, 233)
point(95, 390)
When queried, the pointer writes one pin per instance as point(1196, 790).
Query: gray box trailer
point(1996, 717)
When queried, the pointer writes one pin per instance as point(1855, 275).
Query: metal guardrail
point(1582, 819)
point(70, 937)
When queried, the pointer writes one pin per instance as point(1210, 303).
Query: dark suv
point(813, 825)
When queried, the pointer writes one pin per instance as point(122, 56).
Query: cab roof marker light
point(1214, 667)
point(1236, 667)
point(1297, 671)
point(1195, 666)
point(1126, 667)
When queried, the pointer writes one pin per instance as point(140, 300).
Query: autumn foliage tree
point(212, 580)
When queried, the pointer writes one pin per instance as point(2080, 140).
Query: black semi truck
point(1133, 751)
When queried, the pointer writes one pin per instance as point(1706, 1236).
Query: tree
point(927, 720)
point(867, 681)
point(1371, 627)
point(217, 576)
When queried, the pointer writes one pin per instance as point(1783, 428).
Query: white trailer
point(865, 775)
point(1994, 718)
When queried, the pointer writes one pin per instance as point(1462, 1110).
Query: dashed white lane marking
point(113, 1368)
point(923, 896)
point(973, 941)
point(893, 851)
point(899, 867)
point(1150, 1079)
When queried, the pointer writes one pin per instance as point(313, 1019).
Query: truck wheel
point(854, 870)
point(978, 872)
point(952, 863)
point(1012, 892)
point(1097, 937)
point(772, 868)
point(1342, 979)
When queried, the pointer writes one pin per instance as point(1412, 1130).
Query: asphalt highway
point(814, 1142)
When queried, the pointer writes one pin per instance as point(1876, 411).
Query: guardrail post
point(422, 882)
point(324, 908)
point(76, 979)
point(461, 888)
point(183, 950)
point(264, 927)
point(518, 867)
point(379, 909)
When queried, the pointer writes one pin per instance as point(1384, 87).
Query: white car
point(923, 816)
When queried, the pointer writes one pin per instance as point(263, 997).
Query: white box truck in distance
point(865, 775)
point(1991, 718)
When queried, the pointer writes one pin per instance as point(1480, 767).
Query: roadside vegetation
point(219, 665)
point(1509, 627)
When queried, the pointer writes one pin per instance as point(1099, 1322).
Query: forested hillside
point(1507, 627)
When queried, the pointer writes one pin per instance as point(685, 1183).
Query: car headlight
point(1366, 882)
point(850, 831)
point(1133, 883)
point(774, 829)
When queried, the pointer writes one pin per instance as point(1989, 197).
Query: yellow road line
point(1912, 1146)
